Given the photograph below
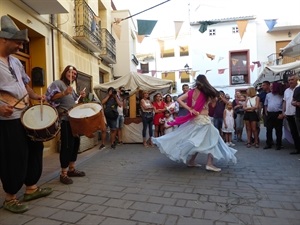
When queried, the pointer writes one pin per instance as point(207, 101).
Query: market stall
point(135, 83)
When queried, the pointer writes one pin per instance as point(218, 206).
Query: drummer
point(21, 159)
point(62, 95)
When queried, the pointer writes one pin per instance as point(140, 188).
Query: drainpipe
point(52, 46)
point(59, 43)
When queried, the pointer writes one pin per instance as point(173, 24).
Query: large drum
point(41, 122)
point(86, 119)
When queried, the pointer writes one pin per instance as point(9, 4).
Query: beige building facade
point(61, 33)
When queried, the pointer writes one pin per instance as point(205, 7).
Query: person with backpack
point(111, 103)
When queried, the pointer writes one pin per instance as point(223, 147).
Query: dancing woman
point(196, 134)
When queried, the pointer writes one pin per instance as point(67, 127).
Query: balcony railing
point(108, 48)
point(276, 59)
point(87, 30)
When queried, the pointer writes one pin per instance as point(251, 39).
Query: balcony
point(108, 47)
point(275, 59)
point(87, 30)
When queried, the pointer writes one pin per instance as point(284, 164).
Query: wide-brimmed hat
point(9, 30)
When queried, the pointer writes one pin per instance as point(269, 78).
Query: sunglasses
point(13, 73)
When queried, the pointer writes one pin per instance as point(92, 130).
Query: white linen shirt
point(290, 110)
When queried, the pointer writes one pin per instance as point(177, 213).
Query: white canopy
point(274, 73)
point(135, 81)
point(293, 48)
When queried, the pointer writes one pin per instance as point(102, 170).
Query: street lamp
point(187, 69)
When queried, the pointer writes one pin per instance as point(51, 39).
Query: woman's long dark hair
point(205, 87)
point(63, 76)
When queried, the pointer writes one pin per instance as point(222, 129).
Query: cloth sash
point(198, 107)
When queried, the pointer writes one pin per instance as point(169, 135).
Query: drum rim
point(38, 105)
point(80, 105)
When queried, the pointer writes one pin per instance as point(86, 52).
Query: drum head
point(39, 116)
point(85, 110)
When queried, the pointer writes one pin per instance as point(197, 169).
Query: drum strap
point(62, 112)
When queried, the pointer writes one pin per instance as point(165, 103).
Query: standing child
point(228, 123)
point(168, 118)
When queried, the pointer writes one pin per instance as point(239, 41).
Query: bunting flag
point(207, 71)
point(140, 38)
point(180, 72)
point(204, 25)
point(252, 67)
point(220, 58)
point(178, 25)
point(212, 57)
point(193, 74)
point(244, 62)
point(257, 63)
point(271, 23)
point(117, 29)
point(221, 71)
point(153, 72)
point(242, 24)
point(145, 27)
point(234, 61)
point(117, 20)
point(161, 46)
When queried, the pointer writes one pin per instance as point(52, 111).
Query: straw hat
point(9, 30)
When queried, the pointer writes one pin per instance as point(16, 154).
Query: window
point(212, 32)
point(184, 77)
point(144, 67)
point(239, 67)
point(235, 30)
point(84, 81)
point(168, 53)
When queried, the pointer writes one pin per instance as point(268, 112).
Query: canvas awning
point(293, 48)
point(275, 73)
point(135, 81)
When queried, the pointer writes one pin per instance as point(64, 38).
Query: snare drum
point(86, 119)
point(41, 122)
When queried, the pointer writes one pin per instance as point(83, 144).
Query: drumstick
point(77, 100)
point(19, 100)
point(41, 105)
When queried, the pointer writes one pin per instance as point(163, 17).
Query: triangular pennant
point(145, 27)
point(244, 62)
point(242, 24)
point(180, 73)
point(117, 20)
point(117, 29)
point(207, 71)
point(221, 71)
point(204, 25)
point(234, 61)
point(257, 63)
point(193, 74)
point(220, 58)
point(178, 25)
point(271, 23)
point(161, 46)
point(140, 38)
point(252, 67)
point(212, 57)
point(153, 72)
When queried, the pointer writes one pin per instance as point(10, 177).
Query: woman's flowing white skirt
point(196, 135)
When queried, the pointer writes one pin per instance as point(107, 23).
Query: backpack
point(110, 110)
